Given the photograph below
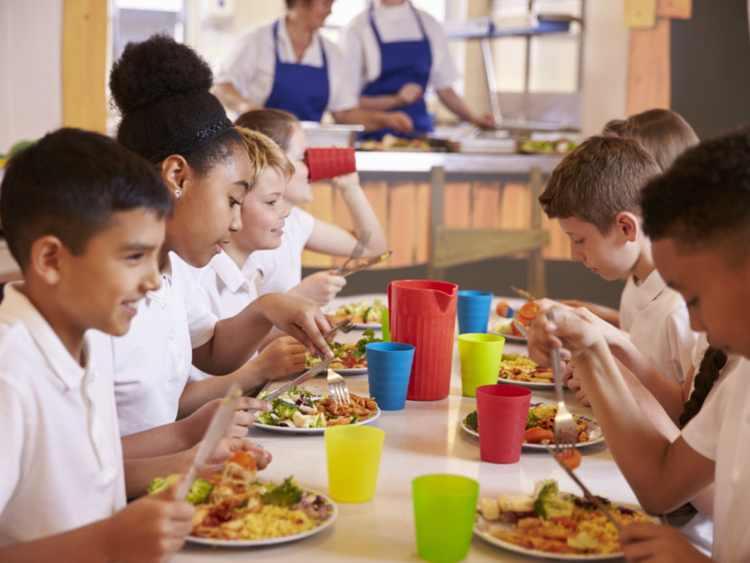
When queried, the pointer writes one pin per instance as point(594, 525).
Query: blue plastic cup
point(388, 372)
point(473, 311)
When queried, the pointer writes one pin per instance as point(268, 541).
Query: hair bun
point(157, 68)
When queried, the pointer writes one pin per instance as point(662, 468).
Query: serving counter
point(424, 438)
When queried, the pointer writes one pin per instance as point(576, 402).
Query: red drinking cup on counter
point(324, 163)
point(423, 313)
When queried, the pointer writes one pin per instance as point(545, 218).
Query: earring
point(177, 192)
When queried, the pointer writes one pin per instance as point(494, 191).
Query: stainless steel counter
point(410, 161)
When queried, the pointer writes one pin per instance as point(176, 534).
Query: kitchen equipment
point(339, 135)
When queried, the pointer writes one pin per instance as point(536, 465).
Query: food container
point(320, 135)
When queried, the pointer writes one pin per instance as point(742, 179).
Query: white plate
point(595, 434)
point(527, 384)
point(512, 338)
point(290, 430)
point(333, 512)
point(482, 529)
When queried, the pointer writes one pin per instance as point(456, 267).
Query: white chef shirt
point(281, 267)
point(394, 23)
point(251, 65)
point(153, 360)
point(721, 431)
point(228, 289)
point(60, 454)
point(659, 326)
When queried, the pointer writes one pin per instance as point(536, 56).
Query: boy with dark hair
point(698, 217)
point(85, 219)
point(594, 195)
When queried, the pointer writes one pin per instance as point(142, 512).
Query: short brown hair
point(276, 123)
point(662, 132)
point(602, 177)
point(264, 153)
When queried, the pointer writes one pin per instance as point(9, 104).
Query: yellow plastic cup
point(353, 455)
point(480, 356)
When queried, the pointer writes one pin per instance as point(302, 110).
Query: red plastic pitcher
point(423, 313)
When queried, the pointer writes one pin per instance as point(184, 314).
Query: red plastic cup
point(324, 163)
point(423, 313)
point(502, 411)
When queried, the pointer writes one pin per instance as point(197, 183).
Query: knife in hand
point(309, 374)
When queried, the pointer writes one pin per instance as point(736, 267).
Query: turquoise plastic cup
point(444, 512)
point(473, 311)
point(388, 372)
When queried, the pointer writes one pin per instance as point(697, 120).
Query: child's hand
point(241, 420)
point(346, 182)
point(299, 317)
point(569, 332)
point(574, 383)
point(283, 356)
point(227, 447)
point(399, 121)
point(650, 543)
point(321, 287)
point(150, 529)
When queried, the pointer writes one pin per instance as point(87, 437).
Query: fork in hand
point(566, 434)
point(344, 326)
point(359, 248)
point(338, 388)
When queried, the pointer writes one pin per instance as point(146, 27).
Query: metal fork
point(359, 248)
point(566, 434)
point(338, 388)
point(344, 326)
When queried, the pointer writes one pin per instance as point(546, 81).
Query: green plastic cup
point(353, 455)
point(480, 356)
point(385, 328)
point(444, 512)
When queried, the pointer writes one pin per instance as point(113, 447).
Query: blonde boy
point(594, 195)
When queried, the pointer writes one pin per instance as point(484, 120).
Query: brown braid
point(711, 364)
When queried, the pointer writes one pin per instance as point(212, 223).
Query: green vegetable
point(369, 336)
point(319, 421)
point(286, 494)
point(472, 421)
point(198, 492)
point(549, 504)
point(283, 409)
point(270, 417)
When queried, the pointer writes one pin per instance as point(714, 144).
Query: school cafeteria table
point(424, 438)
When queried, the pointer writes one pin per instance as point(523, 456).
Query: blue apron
point(299, 89)
point(403, 62)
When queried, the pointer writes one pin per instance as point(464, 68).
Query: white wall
point(30, 69)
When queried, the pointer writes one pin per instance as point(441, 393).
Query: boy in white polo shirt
point(698, 217)
point(593, 193)
point(84, 218)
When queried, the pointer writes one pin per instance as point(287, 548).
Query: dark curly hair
point(703, 200)
point(600, 178)
point(161, 88)
point(712, 363)
point(69, 184)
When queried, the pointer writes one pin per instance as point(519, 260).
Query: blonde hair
point(662, 132)
point(265, 153)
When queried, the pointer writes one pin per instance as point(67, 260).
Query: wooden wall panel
point(401, 229)
point(485, 201)
point(457, 205)
point(559, 245)
point(377, 195)
point(322, 208)
point(677, 9)
point(422, 223)
point(515, 212)
point(649, 84)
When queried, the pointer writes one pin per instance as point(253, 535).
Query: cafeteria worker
point(289, 65)
point(394, 52)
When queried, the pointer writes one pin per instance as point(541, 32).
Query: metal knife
point(366, 264)
point(215, 432)
point(309, 374)
point(586, 493)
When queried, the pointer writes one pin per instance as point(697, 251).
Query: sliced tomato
point(528, 311)
point(243, 459)
point(538, 435)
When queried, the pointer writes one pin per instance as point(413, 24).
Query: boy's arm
point(332, 239)
point(235, 338)
point(646, 542)
point(654, 467)
point(147, 530)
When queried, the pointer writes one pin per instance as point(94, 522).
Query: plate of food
point(504, 325)
point(540, 428)
point(362, 314)
point(522, 370)
point(300, 412)
point(253, 513)
point(549, 524)
point(349, 358)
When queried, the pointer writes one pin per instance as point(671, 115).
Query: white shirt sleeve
point(342, 95)
point(443, 72)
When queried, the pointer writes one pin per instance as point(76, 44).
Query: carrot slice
point(572, 459)
point(528, 311)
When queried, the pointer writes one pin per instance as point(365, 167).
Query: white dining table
point(423, 438)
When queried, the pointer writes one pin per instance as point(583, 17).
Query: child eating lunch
point(161, 88)
point(281, 268)
point(85, 220)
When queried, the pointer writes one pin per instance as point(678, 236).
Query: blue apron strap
point(374, 27)
point(276, 38)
